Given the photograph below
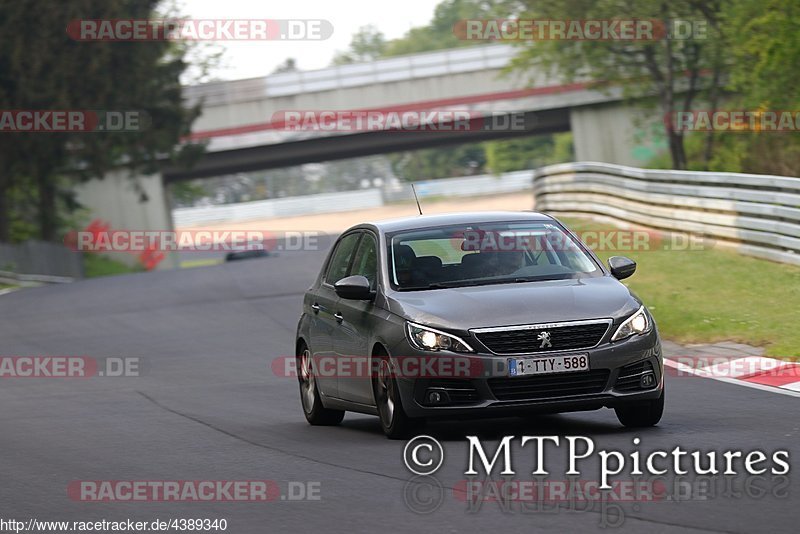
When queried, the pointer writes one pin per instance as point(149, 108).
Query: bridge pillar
point(117, 201)
point(616, 133)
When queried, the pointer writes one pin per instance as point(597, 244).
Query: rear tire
point(316, 414)
point(647, 413)
point(394, 421)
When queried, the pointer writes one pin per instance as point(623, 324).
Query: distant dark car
point(255, 249)
point(531, 317)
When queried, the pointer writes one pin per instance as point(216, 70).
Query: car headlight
point(638, 323)
point(424, 338)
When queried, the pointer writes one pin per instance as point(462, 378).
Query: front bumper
point(614, 379)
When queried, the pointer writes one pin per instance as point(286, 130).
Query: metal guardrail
point(757, 214)
point(7, 277)
point(39, 261)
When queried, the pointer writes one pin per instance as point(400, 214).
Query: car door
point(324, 324)
point(351, 343)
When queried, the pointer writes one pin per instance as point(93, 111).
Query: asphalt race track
point(208, 406)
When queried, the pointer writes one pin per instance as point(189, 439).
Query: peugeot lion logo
point(544, 337)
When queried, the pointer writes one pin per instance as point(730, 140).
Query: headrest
point(428, 263)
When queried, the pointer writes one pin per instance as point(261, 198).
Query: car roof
point(470, 217)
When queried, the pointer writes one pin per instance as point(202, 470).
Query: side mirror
point(354, 287)
point(621, 267)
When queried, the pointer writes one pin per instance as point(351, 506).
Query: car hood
point(513, 304)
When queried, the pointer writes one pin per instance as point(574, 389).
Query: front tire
point(394, 421)
point(647, 413)
point(316, 414)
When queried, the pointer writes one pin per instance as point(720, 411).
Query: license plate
point(548, 365)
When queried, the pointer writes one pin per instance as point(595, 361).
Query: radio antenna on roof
point(414, 190)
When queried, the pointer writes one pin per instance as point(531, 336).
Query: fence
point(39, 261)
point(758, 214)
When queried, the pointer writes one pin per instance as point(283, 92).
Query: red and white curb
point(768, 374)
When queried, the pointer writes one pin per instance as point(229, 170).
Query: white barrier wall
point(758, 214)
point(352, 200)
point(279, 207)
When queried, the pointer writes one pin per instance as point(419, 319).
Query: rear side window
point(337, 268)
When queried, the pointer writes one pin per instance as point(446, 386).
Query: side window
point(337, 269)
point(366, 260)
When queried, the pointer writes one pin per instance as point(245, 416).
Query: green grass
point(709, 295)
point(95, 265)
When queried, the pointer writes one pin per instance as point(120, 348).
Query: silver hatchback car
point(490, 313)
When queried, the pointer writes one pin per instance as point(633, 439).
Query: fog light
point(436, 396)
point(648, 380)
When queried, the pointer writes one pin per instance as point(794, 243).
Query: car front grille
point(550, 386)
point(630, 376)
point(543, 338)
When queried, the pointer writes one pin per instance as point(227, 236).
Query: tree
point(763, 40)
point(289, 65)
point(433, 163)
point(367, 44)
point(438, 34)
point(671, 68)
point(528, 152)
point(54, 72)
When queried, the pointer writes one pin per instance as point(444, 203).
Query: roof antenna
point(413, 189)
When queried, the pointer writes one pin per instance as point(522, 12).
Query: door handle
point(315, 307)
point(339, 317)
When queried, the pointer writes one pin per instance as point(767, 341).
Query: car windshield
point(484, 254)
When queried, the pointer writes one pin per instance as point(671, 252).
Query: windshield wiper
point(540, 278)
point(518, 280)
point(434, 285)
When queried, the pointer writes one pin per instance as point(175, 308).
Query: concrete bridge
point(238, 115)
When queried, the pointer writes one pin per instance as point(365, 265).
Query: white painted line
point(795, 386)
point(704, 374)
